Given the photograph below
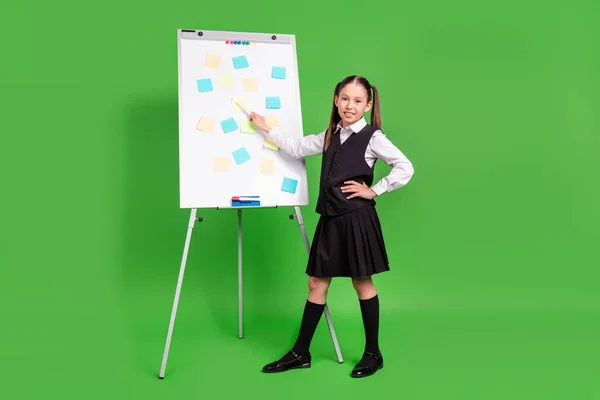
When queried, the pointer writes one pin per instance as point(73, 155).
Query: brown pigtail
point(375, 111)
point(334, 119)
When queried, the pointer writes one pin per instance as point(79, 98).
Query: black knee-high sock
point(370, 314)
point(310, 320)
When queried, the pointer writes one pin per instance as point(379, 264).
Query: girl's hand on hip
point(358, 190)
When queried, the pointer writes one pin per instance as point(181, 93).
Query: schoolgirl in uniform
point(348, 241)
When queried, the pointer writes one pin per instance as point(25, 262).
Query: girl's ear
point(335, 100)
point(369, 105)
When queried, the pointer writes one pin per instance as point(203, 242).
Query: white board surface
point(216, 161)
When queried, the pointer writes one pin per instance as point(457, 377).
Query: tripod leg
point(327, 315)
point(177, 292)
point(333, 336)
point(239, 214)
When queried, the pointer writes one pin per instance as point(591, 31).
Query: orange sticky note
point(271, 120)
point(250, 85)
point(221, 164)
point(212, 61)
point(267, 166)
point(205, 125)
point(270, 145)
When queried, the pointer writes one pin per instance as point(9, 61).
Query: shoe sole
point(307, 365)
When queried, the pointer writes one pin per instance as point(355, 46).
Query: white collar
point(355, 127)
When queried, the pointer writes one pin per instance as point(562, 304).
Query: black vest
point(344, 162)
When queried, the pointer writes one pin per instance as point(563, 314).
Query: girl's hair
point(372, 94)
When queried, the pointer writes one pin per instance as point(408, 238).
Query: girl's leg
point(299, 356)
point(313, 309)
point(369, 307)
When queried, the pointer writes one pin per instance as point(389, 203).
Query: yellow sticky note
point(271, 120)
point(270, 145)
point(267, 166)
point(221, 164)
point(239, 100)
point(227, 80)
point(212, 61)
point(248, 127)
point(250, 85)
point(205, 125)
point(252, 43)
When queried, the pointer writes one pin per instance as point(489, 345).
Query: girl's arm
point(402, 169)
point(297, 147)
point(294, 146)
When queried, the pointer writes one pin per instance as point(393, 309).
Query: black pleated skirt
point(348, 245)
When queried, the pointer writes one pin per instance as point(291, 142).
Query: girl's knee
point(362, 282)
point(365, 289)
point(321, 284)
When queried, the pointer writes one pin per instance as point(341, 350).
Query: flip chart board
point(221, 76)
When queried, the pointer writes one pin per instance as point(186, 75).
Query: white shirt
point(379, 147)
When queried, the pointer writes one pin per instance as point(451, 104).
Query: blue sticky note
point(229, 125)
point(204, 85)
point(278, 73)
point(241, 155)
point(289, 185)
point(240, 62)
point(273, 102)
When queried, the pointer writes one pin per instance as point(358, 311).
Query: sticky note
point(252, 43)
point(289, 185)
point(241, 155)
point(278, 72)
point(241, 101)
point(270, 145)
point(205, 125)
point(204, 85)
point(250, 85)
point(271, 120)
point(240, 62)
point(273, 102)
point(229, 125)
point(227, 80)
point(248, 127)
point(221, 164)
point(267, 166)
point(212, 61)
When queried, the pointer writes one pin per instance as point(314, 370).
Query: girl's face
point(352, 103)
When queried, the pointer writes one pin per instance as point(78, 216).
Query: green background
point(493, 288)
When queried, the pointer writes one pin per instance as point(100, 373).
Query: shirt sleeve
point(297, 147)
point(402, 169)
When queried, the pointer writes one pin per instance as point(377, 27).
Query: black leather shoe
point(297, 361)
point(361, 371)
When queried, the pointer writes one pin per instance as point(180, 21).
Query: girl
point(348, 241)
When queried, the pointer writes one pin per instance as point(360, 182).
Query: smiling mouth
point(348, 114)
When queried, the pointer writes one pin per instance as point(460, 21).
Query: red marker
point(245, 198)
